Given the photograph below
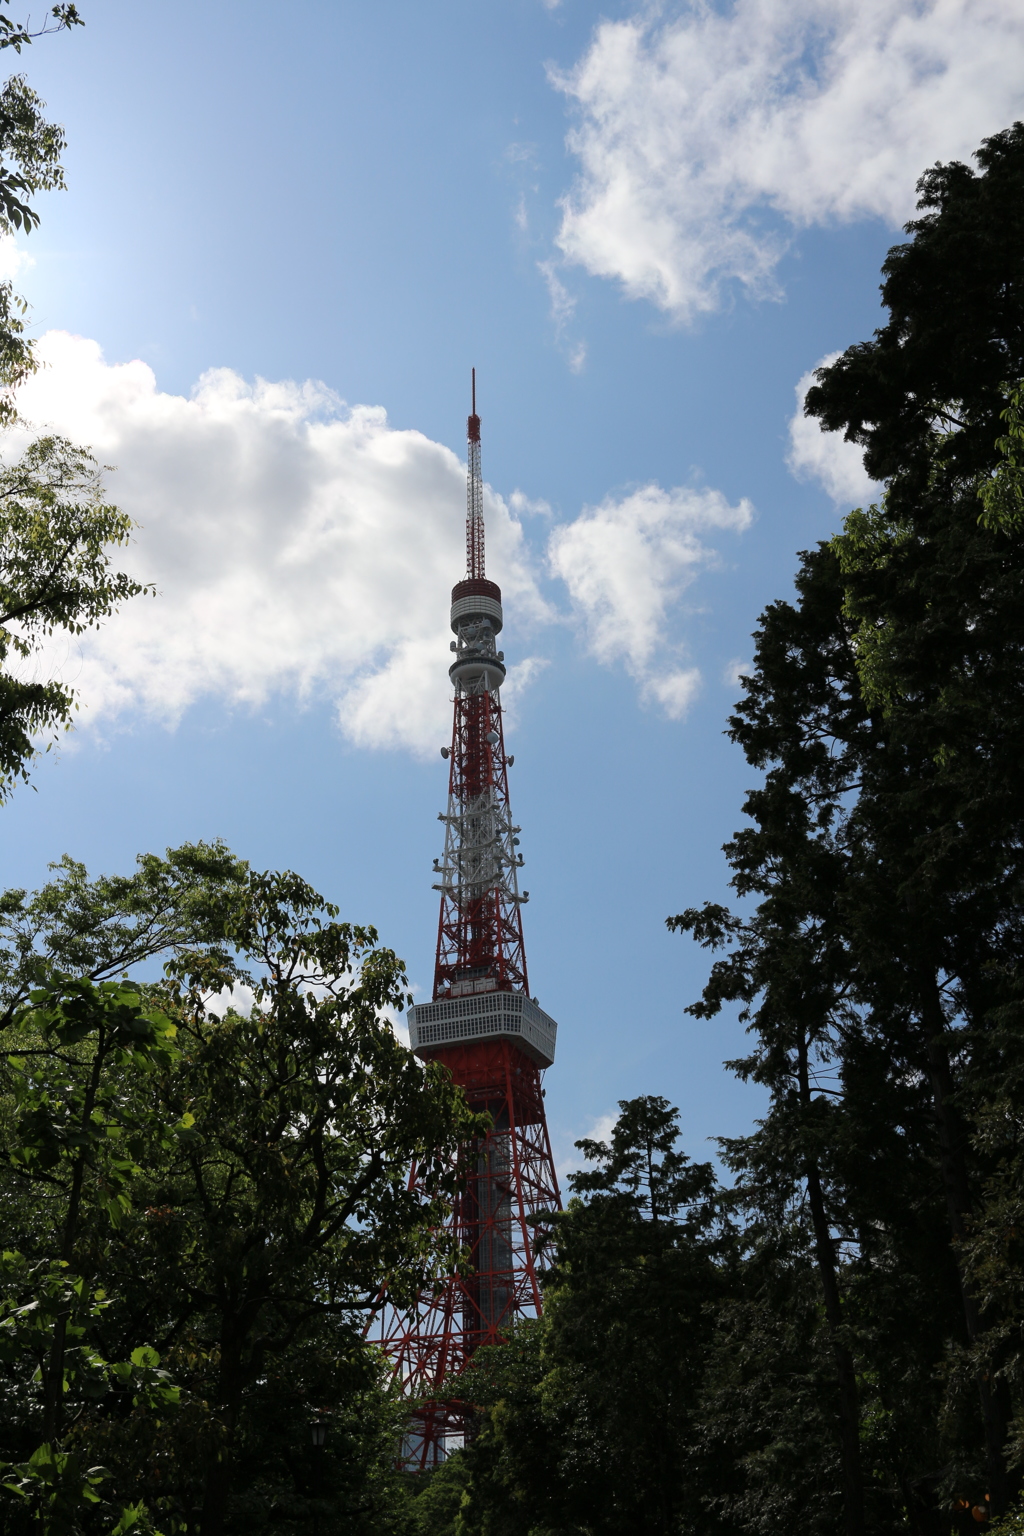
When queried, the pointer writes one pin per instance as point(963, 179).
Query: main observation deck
point(484, 1016)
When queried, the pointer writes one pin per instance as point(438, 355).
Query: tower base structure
point(506, 1180)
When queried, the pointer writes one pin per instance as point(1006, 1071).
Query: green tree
point(589, 1421)
point(886, 713)
point(103, 928)
point(1002, 496)
point(839, 1176)
point(57, 529)
point(866, 972)
point(66, 1058)
point(30, 151)
point(237, 1199)
point(69, 1045)
point(289, 1209)
point(57, 532)
point(932, 602)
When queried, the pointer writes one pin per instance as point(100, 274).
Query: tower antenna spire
point(474, 497)
point(483, 1025)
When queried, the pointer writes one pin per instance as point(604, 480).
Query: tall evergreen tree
point(886, 712)
point(590, 1421)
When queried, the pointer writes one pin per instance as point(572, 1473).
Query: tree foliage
point(588, 1415)
point(57, 533)
point(204, 1181)
point(30, 151)
point(57, 529)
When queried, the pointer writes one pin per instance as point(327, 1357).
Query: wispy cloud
point(563, 309)
point(570, 1159)
point(626, 564)
point(522, 505)
point(734, 670)
point(707, 135)
point(521, 153)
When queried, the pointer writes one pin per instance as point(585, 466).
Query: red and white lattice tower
point(484, 1026)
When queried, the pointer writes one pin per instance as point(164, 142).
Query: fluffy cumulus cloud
point(626, 564)
point(302, 548)
point(705, 135)
point(295, 545)
point(827, 457)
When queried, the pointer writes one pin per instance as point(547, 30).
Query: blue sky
point(643, 226)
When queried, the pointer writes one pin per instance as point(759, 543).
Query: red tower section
point(484, 1026)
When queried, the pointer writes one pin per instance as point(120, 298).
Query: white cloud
point(13, 259)
point(303, 548)
point(521, 505)
point(563, 308)
point(398, 1021)
point(674, 691)
point(626, 563)
point(571, 1160)
point(736, 669)
point(707, 136)
point(826, 456)
point(521, 154)
point(238, 997)
point(519, 679)
point(563, 303)
point(297, 546)
point(602, 1128)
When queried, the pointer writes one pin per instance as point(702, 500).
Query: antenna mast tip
point(474, 421)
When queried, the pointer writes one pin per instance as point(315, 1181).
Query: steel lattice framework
point(484, 1026)
point(480, 928)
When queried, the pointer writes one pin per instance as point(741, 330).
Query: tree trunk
point(849, 1404)
point(953, 1138)
point(220, 1476)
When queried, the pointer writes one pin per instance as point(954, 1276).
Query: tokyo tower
point(483, 1025)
